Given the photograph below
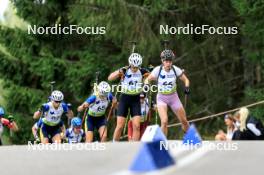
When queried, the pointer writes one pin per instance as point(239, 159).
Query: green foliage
point(251, 13)
point(256, 95)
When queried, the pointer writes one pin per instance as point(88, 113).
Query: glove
point(150, 68)
point(123, 69)
point(69, 105)
point(10, 118)
point(187, 90)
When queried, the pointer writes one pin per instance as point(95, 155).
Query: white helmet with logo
point(57, 96)
point(104, 88)
point(135, 59)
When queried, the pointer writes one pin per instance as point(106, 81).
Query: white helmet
point(104, 88)
point(57, 96)
point(135, 59)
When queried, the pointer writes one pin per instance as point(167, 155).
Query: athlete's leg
point(143, 127)
point(55, 133)
point(122, 112)
point(129, 130)
point(162, 110)
point(43, 134)
point(44, 140)
point(120, 123)
point(89, 129)
point(89, 137)
point(162, 106)
point(102, 128)
point(179, 111)
point(56, 138)
point(135, 110)
point(42, 137)
point(136, 128)
point(103, 133)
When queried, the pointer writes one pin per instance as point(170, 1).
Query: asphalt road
point(116, 158)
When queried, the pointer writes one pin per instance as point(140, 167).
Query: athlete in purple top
point(166, 76)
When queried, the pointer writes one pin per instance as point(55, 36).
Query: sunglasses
point(78, 127)
point(135, 68)
point(57, 101)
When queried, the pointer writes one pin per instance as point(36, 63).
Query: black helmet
point(167, 55)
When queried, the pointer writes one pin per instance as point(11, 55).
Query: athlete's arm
point(87, 103)
point(185, 80)
point(146, 75)
point(83, 106)
point(37, 115)
point(117, 74)
point(149, 79)
point(42, 109)
point(113, 76)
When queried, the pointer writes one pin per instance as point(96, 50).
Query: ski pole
point(52, 83)
point(134, 43)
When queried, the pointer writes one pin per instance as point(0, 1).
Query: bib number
point(54, 118)
point(101, 108)
point(167, 86)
